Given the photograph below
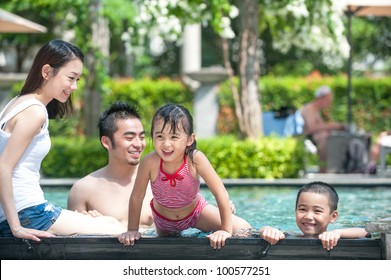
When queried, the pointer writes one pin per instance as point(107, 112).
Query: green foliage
point(148, 95)
point(371, 98)
point(269, 157)
point(73, 157)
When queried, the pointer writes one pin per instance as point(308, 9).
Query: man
point(315, 127)
point(384, 139)
point(106, 191)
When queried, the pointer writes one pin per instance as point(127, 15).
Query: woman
point(25, 141)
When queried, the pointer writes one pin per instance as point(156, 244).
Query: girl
point(25, 141)
point(174, 170)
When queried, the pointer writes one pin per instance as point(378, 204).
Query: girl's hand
point(217, 239)
point(271, 235)
point(128, 238)
point(33, 234)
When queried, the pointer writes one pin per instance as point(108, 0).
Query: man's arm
point(314, 124)
point(325, 126)
point(77, 197)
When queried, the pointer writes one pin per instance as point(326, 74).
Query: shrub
point(269, 157)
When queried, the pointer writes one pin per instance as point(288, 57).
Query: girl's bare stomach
point(175, 213)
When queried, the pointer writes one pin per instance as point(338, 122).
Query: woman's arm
point(23, 127)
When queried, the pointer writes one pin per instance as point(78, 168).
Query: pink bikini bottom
point(189, 221)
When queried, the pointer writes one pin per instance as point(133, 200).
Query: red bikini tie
point(173, 179)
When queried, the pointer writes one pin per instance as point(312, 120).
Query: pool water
point(275, 206)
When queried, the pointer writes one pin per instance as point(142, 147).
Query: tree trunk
point(249, 69)
point(97, 64)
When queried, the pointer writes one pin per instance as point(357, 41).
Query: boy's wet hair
point(321, 188)
point(176, 115)
point(119, 110)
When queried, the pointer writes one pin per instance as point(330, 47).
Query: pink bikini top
point(175, 190)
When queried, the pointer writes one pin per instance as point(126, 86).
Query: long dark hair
point(56, 53)
point(176, 114)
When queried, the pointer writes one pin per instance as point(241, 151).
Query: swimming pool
point(274, 206)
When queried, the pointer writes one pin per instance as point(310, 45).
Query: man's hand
point(92, 213)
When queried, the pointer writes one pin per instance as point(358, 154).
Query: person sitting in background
point(316, 208)
point(316, 128)
point(384, 139)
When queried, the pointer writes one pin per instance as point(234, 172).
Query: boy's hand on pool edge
point(217, 239)
point(330, 239)
point(128, 238)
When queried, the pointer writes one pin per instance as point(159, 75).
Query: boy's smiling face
point(313, 213)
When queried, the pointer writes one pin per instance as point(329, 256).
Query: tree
point(310, 24)
point(292, 23)
point(247, 105)
point(84, 23)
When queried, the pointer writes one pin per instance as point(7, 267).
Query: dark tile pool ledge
point(337, 180)
point(187, 248)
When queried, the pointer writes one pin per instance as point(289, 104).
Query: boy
point(316, 208)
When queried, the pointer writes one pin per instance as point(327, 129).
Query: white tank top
point(25, 177)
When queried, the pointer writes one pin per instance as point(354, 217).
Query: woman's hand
point(217, 239)
point(33, 234)
point(128, 238)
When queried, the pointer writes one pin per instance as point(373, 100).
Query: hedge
point(269, 157)
point(371, 99)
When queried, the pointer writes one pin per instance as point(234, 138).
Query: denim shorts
point(40, 217)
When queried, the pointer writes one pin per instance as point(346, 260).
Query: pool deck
point(337, 180)
point(187, 248)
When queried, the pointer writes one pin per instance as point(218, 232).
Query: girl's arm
point(135, 203)
point(216, 186)
point(138, 194)
point(23, 127)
